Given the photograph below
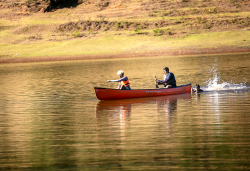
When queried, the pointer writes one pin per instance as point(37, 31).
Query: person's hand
point(108, 80)
point(156, 80)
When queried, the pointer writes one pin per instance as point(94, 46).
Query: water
point(50, 118)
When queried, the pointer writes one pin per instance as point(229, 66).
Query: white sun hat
point(120, 72)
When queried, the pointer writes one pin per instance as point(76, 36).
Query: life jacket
point(126, 83)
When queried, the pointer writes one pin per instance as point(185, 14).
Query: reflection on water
point(119, 111)
point(50, 118)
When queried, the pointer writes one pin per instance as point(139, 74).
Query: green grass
point(123, 44)
point(218, 39)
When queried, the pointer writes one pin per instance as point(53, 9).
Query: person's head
point(120, 73)
point(166, 70)
point(197, 87)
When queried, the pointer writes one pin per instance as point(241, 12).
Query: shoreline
point(179, 52)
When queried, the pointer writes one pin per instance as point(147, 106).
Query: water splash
point(216, 83)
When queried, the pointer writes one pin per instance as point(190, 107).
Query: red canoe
point(115, 94)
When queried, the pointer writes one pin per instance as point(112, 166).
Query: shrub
point(117, 25)
point(137, 30)
point(76, 33)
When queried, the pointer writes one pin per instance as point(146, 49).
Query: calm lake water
point(50, 118)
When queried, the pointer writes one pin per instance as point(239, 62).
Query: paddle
point(156, 85)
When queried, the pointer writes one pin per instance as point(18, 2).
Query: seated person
point(123, 81)
point(168, 79)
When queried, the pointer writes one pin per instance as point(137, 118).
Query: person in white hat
point(123, 81)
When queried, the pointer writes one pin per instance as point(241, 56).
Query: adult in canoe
point(123, 81)
point(168, 79)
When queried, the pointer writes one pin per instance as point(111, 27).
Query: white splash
point(216, 83)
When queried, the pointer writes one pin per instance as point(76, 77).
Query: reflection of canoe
point(116, 106)
point(115, 94)
point(111, 104)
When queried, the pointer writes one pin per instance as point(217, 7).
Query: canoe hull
point(115, 94)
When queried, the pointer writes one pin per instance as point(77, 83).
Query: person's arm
point(159, 81)
point(122, 79)
point(165, 79)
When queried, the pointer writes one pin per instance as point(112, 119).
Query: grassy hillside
point(35, 28)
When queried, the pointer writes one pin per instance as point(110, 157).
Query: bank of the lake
point(166, 53)
point(121, 29)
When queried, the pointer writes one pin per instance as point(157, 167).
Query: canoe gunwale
point(144, 89)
